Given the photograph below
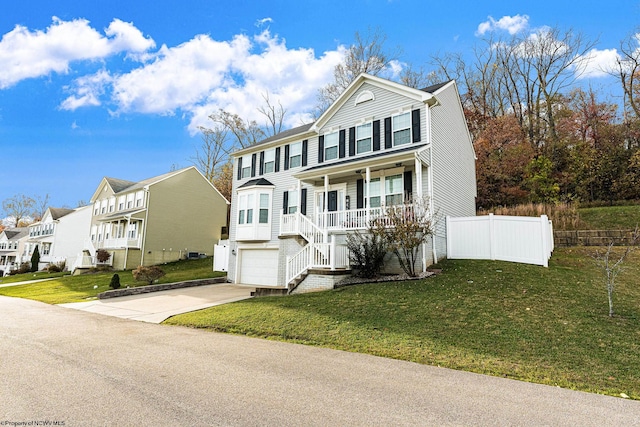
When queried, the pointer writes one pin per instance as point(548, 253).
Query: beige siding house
point(157, 220)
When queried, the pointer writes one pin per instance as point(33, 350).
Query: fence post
point(544, 229)
point(492, 236)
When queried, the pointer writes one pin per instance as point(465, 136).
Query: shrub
point(147, 274)
point(24, 268)
point(366, 253)
point(56, 268)
point(115, 281)
point(102, 256)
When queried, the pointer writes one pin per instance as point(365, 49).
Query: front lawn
point(87, 286)
point(518, 321)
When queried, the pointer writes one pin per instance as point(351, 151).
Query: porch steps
point(270, 292)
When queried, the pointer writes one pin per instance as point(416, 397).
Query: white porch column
point(367, 192)
point(325, 220)
point(418, 167)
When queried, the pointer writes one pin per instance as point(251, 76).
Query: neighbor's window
point(295, 155)
point(331, 146)
point(363, 138)
point(401, 129)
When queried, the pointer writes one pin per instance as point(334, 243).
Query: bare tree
point(367, 54)
point(611, 264)
point(18, 207)
point(246, 132)
point(274, 114)
point(416, 78)
point(627, 70)
point(40, 206)
point(212, 152)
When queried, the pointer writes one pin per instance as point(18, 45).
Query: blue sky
point(118, 88)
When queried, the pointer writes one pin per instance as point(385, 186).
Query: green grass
point(511, 320)
point(30, 276)
point(610, 217)
point(81, 288)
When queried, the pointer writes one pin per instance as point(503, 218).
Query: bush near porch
point(512, 320)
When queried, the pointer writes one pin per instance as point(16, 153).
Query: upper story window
point(295, 155)
point(331, 146)
point(269, 161)
point(121, 202)
point(130, 198)
point(112, 204)
point(96, 208)
point(246, 166)
point(139, 198)
point(401, 127)
point(363, 138)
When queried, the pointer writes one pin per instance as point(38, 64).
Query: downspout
point(430, 144)
point(144, 229)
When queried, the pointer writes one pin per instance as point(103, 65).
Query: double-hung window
point(246, 166)
point(269, 160)
point(263, 215)
point(295, 155)
point(242, 209)
point(363, 138)
point(401, 127)
point(331, 146)
point(374, 193)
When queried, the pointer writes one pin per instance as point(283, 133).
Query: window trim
point(292, 155)
point(394, 131)
point(246, 166)
point(370, 137)
point(327, 139)
point(266, 162)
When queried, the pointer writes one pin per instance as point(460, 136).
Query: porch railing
point(123, 242)
point(317, 255)
point(359, 219)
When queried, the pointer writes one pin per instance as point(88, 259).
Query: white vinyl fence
point(528, 240)
point(221, 256)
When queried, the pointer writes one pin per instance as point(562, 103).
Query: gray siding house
point(298, 194)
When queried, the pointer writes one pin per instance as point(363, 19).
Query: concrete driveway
point(159, 306)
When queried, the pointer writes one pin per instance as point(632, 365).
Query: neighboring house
point(59, 235)
point(13, 249)
point(156, 220)
point(297, 194)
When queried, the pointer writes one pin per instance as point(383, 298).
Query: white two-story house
point(13, 249)
point(297, 194)
point(59, 235)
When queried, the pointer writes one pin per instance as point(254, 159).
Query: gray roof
point(120, 185)
point(252, 182)
point(434, 88)
point(57, 213)
point(16, 233)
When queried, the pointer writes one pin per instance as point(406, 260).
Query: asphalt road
point(79, 368)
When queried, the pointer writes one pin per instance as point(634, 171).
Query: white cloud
point(26, 54)
point(87, 91)
point(203, 75)
point(596, 63)
point(261, 22)
point(511, 24)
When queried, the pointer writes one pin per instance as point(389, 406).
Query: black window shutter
point(408, 187)
point(321, 149)
point(285, 202)
point(415, 124)
point(341, 144)
point(352, 141)
point(387, 132)
point(286, 157)
point(253, 165)
point(305, 145)
point(360, 194)
point(277, 165)
point(240, 168)
point(376, 135)
point(303, 202)
point(261, 162)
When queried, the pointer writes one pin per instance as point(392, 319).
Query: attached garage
point(258, 267)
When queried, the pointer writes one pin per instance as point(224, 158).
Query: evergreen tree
point(35, 260)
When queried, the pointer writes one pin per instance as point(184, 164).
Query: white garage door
point(259, 267)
